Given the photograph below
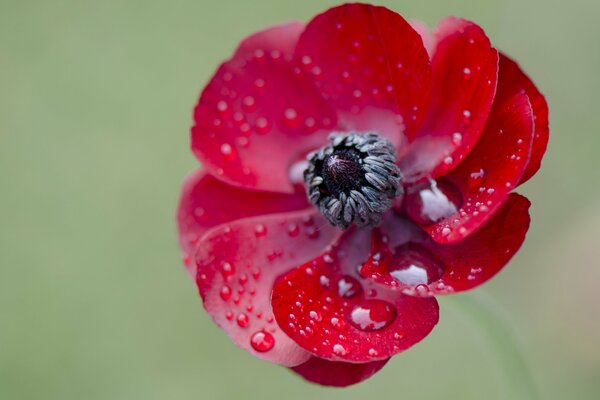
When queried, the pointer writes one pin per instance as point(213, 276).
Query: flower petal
point(206, 202)
point(416, 265)
point(336, 373)
point(512, 79)
point(465, 69)
point(373, 67)
point(331, 311)
point(423, 30)
point(490, 173)
point(259, 114)
point(479, 257)
point(281, 38)
point(237, 265)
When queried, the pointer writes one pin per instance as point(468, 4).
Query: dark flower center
point(342, 171)
point(353, 179)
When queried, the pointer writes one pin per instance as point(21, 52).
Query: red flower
point(467, 125)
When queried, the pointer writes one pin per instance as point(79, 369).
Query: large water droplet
point(431, 202)
point(413, 265)
point(348, 287)
point(262, 341)
point(372, 315)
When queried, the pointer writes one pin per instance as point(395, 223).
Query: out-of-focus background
point(95, 107)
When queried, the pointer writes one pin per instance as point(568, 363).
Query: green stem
point(481, 312)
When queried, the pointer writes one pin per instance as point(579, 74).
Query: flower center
point(353, 179)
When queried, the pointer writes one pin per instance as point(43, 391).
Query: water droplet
point(432, 201)
point(243, 320)
point(226, 269)
point(372, 315)
point(225, 293)
point(466, 117)
point(467, 73)
point(337, 323)
point(414, 265)
point(456, 138)
point(339, 349)
point(290, 118)
point(262, 125)
point(260, 230)
point(348, 287)
point(227, 151)
point(477, 178)
point(312, 232)
point(315, 315)
point(293, 229)
point(249, 103)
point(259, 83)
point(373, 352)
point(262, 341)
point(222, 106)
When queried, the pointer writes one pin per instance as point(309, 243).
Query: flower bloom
point(411, 197)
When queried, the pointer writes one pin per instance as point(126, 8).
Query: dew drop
point(432, 201)
point(477, 178)
point(262, 341)
point(249, 103)
point(243, 320)
point(226, 269)
point(456, 138)
point(290, 118)
point(339, 349)
point(225, 293)
point(372, 315)
point(414, 265)
point(466, 117)
point(348, 287)
point(262, 125)
point(337, 323)
point(222, 106)
point(259, 83)
point(293, 229)
point(466, 73)
point(227, 151)
point(315, 315)
point(260, 230)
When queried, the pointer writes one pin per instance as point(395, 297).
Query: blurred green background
point(95, 106)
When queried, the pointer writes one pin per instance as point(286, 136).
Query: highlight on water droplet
point(243, 320)
point(262, 341)
point(348, 287)
point(432, 201)
point(372, 315)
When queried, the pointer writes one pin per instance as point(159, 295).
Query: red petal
point(258, 115)
point(374, 68)
point(481, 256)
point(491, 171)
point(465, 68)
point(329, 310)
point(237, 265)
point(206, 202)
point(511, 79)
point(282, 38)
point(423, 30)
point(442, 269)
point(335, 373)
